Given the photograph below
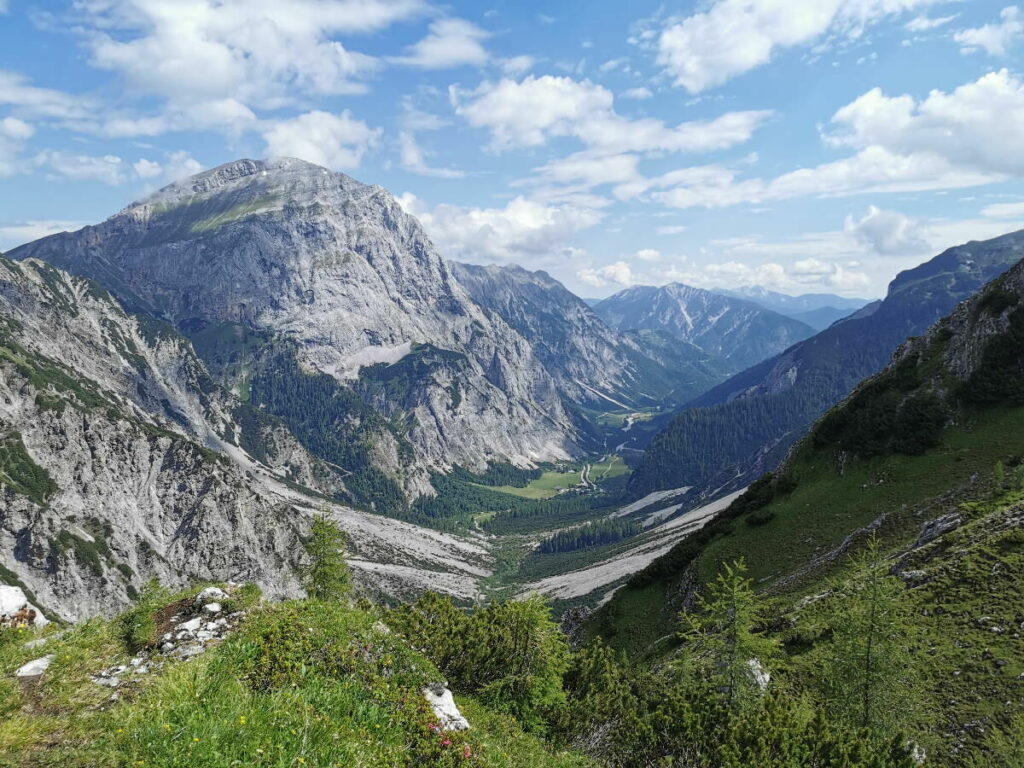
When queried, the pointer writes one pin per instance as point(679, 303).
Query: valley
point(482, 435)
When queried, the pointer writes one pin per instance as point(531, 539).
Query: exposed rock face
point(337, 273)
point(591, 363)
point(739, 331)
point(121, 461)
point(17, 611)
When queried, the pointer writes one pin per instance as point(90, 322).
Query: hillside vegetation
point(922, 464)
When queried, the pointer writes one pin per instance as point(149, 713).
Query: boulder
point(444, 707)
point(35, 667)
point(211, 595)
point(17, 611)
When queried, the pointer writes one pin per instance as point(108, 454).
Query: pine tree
point(326, 577)
point(868, 675)
point(722, 640)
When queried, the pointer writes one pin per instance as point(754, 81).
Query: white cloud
point(529, 112)
point(951, 140)
point(619, 273)
point(1004, 211)
point(147, 169)
point(30, 100)
point(888, 233)
point(107, 169)
point(27, 231)
point(334, 141)
point(414, 159)
point(994, 39)
point(517, 65)
point(648, 254)
point(709, 48)
point(523, 230)
point(638, 94)
point(258, 52)
point(449, 43)
point(671, 229)
point(925, 23)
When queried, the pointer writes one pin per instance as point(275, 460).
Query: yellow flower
point(167, 726)
point(241, 720)
point(195, 738)
point(119, 730)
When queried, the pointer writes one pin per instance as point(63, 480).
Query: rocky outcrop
point(256, 255)
point(121, 461)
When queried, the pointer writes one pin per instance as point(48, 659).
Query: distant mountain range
point(818, 310)
point(739, 331)
point(742, 427)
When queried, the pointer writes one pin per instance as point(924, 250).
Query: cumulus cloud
point(888, 233)
point(710, 48)
point(521, 230)
point(260, 48)
point(335, 141)
point(107, 169)
point(619, 273)
point(449, 43)
point(950, 140)
point(994, 39)
point(529, 112)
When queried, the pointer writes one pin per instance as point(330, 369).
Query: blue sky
point(804, 145)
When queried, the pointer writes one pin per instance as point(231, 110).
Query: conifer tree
point(868, 676)
point(326, 576)
point(722, 640)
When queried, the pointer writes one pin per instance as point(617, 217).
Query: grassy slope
point(548, 484)
point(263, 697)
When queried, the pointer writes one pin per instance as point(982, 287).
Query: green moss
point(20, 473)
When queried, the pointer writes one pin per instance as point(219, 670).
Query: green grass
point(551, 482)
point(828, 504)
point(298, 684)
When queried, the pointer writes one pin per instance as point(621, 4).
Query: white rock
point(759, 674)
point(210, 595)
point(444, 707)
point(109, 682)
point(12, 600)
point(191, 625)
point(34, 667)
point(213, 608)
point(187, 651)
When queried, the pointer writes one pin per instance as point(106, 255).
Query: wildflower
point(195, 739)
point(467, 751)
point(119, 730)
point(242, 720)
point(167, 726)
point(446, 742)
point(434, 727)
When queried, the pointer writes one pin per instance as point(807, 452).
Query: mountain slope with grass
point(744, 426)
point(923, 462)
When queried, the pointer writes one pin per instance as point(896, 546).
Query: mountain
point(921, 461)
point(744, 426)
point(590, 363)
point(318, 299)
point(739, 331)
point(121, 460)
point(818, 310)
